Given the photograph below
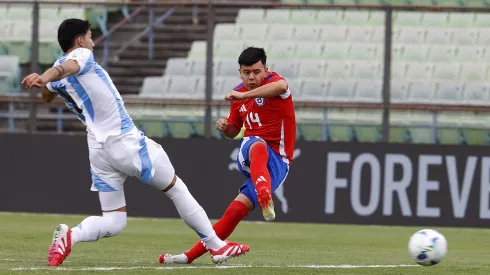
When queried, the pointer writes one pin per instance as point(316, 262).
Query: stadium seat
point(281, 50)
point(252, 31)
point(461, 20)
point(10, 74)
point(250, 16)
point(432, 19)
point(335, 51)
point(368, 91)
point(228, 68)
point(329, 17)
point(314, 89)
point(408, 52)
point(367, 70)
point(277, 16)
point(178, 66)
point(295, 86)
point(308, 50)
point(407, 19)
point(359, 34)
point(223, 85)
point(421, 92)
point(280, 32)
point(483, 36)
point(448, 93)
point(333, 34)
point(445, 72)
point(442, 53)
point(399, 91)
point(340, 90)
point(464, 36)
point(198, 50)
point(303, 16)
point(409, 35)
point(475, 93)
point(287, 69)
point(356, 18)
point(198, 67)
point(419, 71)
point(481, 20)
point(229, 49)
point(469, 54)
point(438, 36)
point(307, 33)
point(473, 72)
point(338, 69)
point(365, 52)
point(154, 86)
point(312, 68)
point(226, 31)
point(184, 87)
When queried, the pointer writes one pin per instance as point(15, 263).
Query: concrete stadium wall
point(388, 184)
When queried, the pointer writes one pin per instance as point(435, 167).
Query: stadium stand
point(334, 55)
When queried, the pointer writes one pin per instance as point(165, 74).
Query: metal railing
point(210, 7)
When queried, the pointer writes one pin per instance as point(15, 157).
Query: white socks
point(95, 227)
point(193, 215)
point(112, 223)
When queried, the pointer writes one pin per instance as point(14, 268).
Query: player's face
point(86, 41)
point(253, 76)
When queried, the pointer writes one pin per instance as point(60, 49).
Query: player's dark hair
point(69, 30)
point(252, 55)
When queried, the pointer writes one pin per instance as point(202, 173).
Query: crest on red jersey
point(259, 101)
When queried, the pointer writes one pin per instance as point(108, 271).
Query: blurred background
point(427, 82)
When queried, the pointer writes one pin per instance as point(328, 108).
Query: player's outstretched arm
point(70, 67)
point(227, 128)
point(268, 90)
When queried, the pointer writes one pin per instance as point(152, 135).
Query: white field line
point(206, 267)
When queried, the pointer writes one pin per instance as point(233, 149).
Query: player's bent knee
point(164, 173)
point(117, 222)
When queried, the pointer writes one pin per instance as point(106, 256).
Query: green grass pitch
point(276, 248)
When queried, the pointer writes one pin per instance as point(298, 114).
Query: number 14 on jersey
point(253, 118)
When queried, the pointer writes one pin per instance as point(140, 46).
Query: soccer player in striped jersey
point(263, 104)
point(117, 149)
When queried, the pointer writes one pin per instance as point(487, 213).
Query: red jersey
point(271, 119)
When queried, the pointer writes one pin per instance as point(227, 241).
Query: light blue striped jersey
point(92, 96)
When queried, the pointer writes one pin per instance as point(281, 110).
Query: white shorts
point(131, 154)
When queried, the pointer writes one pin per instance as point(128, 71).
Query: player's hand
point(222, 124)
point(33, 80)
point(234, 95)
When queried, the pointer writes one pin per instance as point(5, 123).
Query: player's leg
point(190, 210)
point(258, 159)
point(236, 211)
point(109, 184)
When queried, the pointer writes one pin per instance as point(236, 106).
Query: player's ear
point(79, 41)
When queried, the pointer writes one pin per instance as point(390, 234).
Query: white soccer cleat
point(61, 246)
point(266, 204)
point(172, 259)
point(228, 251)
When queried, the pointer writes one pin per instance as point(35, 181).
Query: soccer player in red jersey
point(263, 104)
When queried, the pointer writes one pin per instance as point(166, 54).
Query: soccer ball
point(427, 247)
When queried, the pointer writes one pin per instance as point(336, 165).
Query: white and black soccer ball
point(427, 247)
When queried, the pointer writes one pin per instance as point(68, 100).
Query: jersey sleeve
point(274, 77)
point(234, 117)
point(54, 86)
point(84, 58)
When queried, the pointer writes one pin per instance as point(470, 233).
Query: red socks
point(224, 227)
point(259, 173)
